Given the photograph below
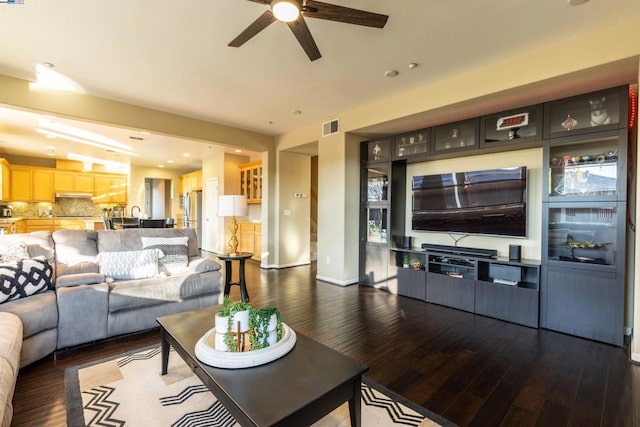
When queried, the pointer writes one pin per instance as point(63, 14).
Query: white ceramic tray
point(223, 359)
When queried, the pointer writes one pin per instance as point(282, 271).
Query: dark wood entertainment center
point(578, 284)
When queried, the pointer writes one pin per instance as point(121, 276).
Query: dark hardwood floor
point(471, 369)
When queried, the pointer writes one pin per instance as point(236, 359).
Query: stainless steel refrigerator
point(192, 213)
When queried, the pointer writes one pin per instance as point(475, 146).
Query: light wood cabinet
point(20, 226)
point(32, 225)
point(5, 187)
point(250, 238)
point(191, 182)
point(78, 182)
point(31, 184)
point(110, 188)
point(251, 181)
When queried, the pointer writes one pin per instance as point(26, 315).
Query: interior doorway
point(157, 198)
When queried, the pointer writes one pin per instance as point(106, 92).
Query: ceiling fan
point(293, 12)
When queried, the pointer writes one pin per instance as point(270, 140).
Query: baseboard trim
point(279, 266)
point(337, 282)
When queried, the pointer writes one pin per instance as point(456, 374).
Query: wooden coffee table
point(298, 389)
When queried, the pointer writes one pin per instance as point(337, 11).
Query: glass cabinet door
point(584, 169)
point(584, 235)
point(411, 144)
point(377, 224)
point(377, 183)
point(456, 136)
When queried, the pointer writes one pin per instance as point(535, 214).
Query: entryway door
point(210, 241)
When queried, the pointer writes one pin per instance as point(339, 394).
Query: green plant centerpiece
point(235, 321)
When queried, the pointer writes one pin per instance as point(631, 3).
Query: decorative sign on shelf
point(513, 121)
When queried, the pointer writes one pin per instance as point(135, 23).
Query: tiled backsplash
point(62, 207)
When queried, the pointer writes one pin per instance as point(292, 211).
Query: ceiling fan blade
point(256, 26)
point(332, 12)
point(301, 31)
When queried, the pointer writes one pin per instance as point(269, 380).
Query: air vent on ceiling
point(329, 128)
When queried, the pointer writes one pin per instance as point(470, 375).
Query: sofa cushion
point(39, 243)
point(202, 265)
point(7, 384)
point(15, 252)
point(134, 294)
point(129, 239)
point(75, 246)
point(11, 340)
point(79, 279)
point(80, 268)
point(174, 250)
point(126, 265)
point(38, 312)
point(24, 277)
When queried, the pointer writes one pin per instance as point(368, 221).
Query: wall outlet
point(297, 195)
point(328, 259)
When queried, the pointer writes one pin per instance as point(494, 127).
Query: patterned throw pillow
point(175, 257)
point(24, 277)
point(15, 252)
point(128, 265)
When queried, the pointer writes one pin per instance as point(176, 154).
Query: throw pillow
point(128, 265)
point(175, 257)
point(15, 252)
point(24, 277)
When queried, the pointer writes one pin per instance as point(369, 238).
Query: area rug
point(128, 390)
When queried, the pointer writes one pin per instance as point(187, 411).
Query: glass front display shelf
point(378, 151)
point(377, 184)
point(583, 235)
point(585, 112)
point(588, 169)
point(377, 225)
point(511, 126)
point(411, 144)
point(455, 136)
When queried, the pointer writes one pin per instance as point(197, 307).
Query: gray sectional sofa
point(105, 283)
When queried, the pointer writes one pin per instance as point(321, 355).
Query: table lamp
point(232, 205)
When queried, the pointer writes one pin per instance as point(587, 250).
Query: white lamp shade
point(232, 205)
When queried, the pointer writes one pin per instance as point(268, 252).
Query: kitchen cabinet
point(31, 184)
point(20, 226)
point(250, 238)
point(110, 188)
point(32, 225)
point(77, 182)
point(5, 175)
point(191, 182)
point(251, 181)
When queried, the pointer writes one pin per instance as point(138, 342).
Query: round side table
point(228, 268)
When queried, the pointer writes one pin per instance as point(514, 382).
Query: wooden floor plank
point(471, 369)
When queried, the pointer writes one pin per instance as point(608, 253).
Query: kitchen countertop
point(53, 218)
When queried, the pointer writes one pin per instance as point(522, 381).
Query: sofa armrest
point(79, 279)
point(202, 265)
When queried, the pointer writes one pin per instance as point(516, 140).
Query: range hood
point(73, 195)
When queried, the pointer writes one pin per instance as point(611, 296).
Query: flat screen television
point(490, 201)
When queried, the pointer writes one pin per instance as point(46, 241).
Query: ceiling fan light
point(285, 10)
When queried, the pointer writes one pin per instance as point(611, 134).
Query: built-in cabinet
point(584, 215)
point(32, 184)
point(72, 181)
point(250, 238)
point(5, 175)
point(578, 285)
point(251, 181)
point(190, 182)
point(110, 188)
point(495, 287)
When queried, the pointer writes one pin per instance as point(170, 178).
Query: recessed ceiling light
point(296, 112)
point(237, 151)
point(269, 122)
point(576, 2)
point(169, 161)
point(391, 73)
point(412, 65)
point(187, 155)
point(160, 166)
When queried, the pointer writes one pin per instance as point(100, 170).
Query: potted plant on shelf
point(405, 261)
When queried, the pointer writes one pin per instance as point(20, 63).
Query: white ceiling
point(173, 56)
